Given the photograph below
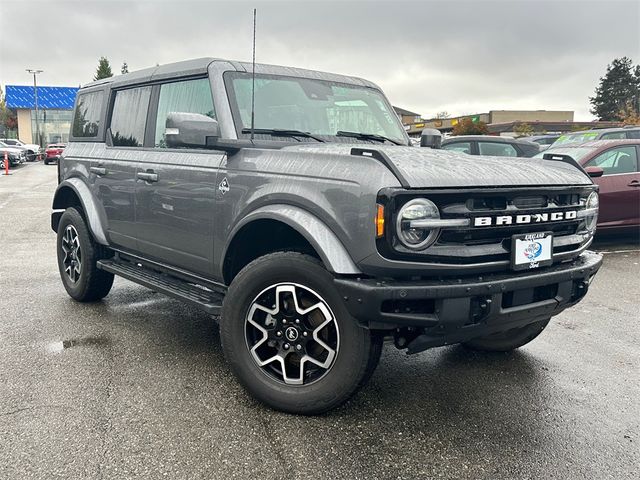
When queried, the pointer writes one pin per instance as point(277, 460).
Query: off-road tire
point(356, 358)
point(509, 340)
point(93, 284)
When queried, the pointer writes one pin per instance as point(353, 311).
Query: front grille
point(473, 245)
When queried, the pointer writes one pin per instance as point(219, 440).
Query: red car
point(613, 165)
point(53, 152)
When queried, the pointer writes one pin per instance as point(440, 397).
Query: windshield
point(318, 107)
point(577, 153)
point(580, 137)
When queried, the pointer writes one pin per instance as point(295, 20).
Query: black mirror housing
point(431, 138)
point(192, 130)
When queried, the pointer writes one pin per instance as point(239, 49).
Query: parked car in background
point(543, 140)
point(15, 155)
point(52, 152)
point(32, 150)
point(602, 134)
point(614, 166)
point(491, 146)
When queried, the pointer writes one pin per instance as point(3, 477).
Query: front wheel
point(509, 340)
point(289, 339)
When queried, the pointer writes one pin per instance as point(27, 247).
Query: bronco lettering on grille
point(503, 220)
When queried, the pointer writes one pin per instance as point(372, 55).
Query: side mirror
point(190, 130)
point(594, 172)
point(431, 138)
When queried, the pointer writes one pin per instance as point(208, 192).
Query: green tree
point(104, 69)
point(467, 126)
point(619, 87)
point(125, 68)
point(7, 116)
point(523, 129)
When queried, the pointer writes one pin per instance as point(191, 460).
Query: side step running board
point(201, 297)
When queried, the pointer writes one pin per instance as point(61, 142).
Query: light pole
point(35, 94)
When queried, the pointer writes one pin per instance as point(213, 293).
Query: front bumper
point(455, 310)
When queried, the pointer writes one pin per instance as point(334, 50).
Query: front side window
point(496, 149)
point(616, 161)
point(463, 147)
point(129, 117)
point(86, 118)
point(318, 107)
point(191, 96)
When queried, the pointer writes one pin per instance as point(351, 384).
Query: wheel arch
point(298, 229)
point(75, 193)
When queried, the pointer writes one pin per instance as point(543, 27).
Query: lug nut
point(286, 346)
point(279, 334)
point(298, 347)
point(304, 334)
point(297, 320)
point(284, 321)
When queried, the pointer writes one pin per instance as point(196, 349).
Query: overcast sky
point(428, 56)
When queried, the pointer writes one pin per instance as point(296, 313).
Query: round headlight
point(410, 232)
point(591, 208)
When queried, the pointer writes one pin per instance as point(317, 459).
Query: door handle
point(634, 183)
point(148, 176)
point(98, 171)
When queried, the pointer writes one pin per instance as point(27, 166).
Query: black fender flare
point(89, 206)
point(328, 246)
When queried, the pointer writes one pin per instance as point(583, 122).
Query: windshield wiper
point(282, 132)
point(367, 136)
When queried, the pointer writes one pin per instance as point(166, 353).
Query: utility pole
point(35, 94)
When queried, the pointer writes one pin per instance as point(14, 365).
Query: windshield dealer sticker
point(223, 186)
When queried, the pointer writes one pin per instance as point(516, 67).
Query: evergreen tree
point(104, 69)
point(125, 68)
point(619, 88)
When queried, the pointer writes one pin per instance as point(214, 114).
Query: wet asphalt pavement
point(137, 386)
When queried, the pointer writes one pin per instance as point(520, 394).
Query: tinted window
point(613, 136)
point(633, 133)
point(86, 119)
point(192, 96)
point(129, 116)
point(496, 149)
point(617, 160)
point(464, 147)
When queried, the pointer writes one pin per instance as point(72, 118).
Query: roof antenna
point(253, 76)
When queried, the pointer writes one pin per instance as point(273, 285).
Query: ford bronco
point(290, 204)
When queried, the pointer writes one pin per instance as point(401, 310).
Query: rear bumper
point(456, 310)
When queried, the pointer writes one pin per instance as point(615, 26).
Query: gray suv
point(290, 204)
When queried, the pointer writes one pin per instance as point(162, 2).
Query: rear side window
point(464, 147)
point(191, 96)
point(613, 136)
point(129, 117)
point(496, 149)
point(86, 118)
point(633, 133)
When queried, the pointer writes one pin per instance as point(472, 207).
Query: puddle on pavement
point(60, 346)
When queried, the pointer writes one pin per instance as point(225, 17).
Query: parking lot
point(136, 386)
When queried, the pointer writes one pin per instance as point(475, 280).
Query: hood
point(428, 168)
point(16, 150)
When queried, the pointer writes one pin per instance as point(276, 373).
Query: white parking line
point(619, 251)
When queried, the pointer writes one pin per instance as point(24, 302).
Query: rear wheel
point(289, 339)
point(77, 257)
point(509, 340)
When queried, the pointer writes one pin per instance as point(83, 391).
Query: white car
point(15, 155)
point(31, 150)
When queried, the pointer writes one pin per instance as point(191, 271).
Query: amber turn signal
point(380, 221)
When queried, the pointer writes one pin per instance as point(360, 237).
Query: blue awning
point(60, 98)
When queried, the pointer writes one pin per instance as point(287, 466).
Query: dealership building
point(55, 108)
